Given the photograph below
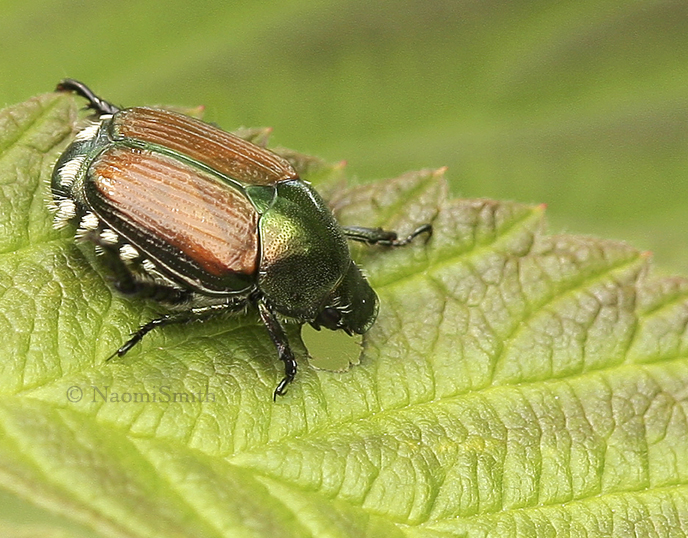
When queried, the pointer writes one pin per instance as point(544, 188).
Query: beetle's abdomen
point(188, 219)
point(200, 141)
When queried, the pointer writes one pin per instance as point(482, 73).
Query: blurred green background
point(580, 104)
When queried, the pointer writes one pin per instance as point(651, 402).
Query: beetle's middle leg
point(378, 236)
point(193, 314)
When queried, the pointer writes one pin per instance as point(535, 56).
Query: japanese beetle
point(207, 223)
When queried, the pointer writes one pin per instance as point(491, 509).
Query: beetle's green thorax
point(304, 254)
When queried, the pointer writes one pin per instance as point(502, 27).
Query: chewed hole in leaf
point(331, 350)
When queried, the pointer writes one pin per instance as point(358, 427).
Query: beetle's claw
point(425, 228)
point(117, 353)
point(289, 375)
point(281, 389)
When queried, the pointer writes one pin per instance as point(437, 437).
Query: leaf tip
point(540, 209)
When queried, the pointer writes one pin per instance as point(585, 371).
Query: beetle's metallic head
point(353, 306)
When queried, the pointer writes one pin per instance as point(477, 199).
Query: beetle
point(205, 223)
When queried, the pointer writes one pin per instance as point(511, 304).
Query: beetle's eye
point(332, 315)
point(329, 317)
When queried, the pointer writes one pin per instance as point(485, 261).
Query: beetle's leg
point(282, 344)
point(149, 290)
point(94, 102)
point(378, 236)
point(194, 314)
point(126, 283)
point(167, 319)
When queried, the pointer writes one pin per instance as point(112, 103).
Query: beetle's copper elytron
point(191, 211)
point(226, 153)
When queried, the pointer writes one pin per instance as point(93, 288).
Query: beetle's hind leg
point(378, 236)
point(94, 102)
point(125, 282)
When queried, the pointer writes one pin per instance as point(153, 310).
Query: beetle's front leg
point(284, 351)
point(378, 236)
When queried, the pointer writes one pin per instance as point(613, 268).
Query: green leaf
point(516, 383)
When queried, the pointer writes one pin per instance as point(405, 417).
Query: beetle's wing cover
point(191, 222)
point(228, 154)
